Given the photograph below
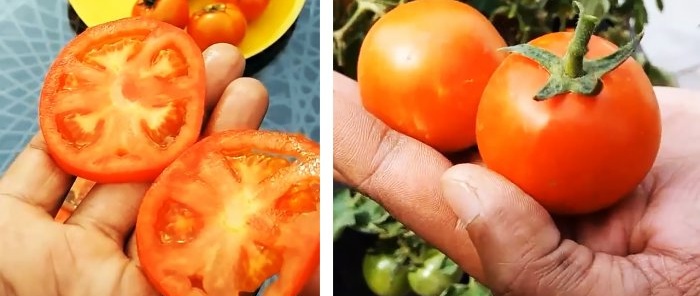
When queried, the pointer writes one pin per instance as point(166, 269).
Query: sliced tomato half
point(233, 210)
point(122, 100)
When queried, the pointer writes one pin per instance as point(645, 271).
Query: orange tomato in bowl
point(174, 12)
point(217, 23)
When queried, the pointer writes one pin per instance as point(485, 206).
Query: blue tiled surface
point(33, 31)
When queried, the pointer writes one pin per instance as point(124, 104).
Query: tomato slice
point(233, 210)
point(122, 100)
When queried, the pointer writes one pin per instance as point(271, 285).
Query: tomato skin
point(422, 68)
point(174, 12)
point(232, 217)
point(217, 23)
point(103, 163)
point(384, 275)
point(431, 279)
point(252, 9)
point(574, 154)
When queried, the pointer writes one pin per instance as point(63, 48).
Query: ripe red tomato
point(573, 153)
point(174, 12)
point(122, 100)
point(252, 9)
point(235, 209)
point(217, 23)
point(422, 68)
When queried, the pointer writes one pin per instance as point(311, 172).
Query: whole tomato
point(252, 9)
point(576, 137)
point(384, 274)
point(217, 23)
point(174, 12)
point(434, 275)
point(423, 66)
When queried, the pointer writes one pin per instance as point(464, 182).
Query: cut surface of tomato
point(233, 210)
point(122, 100)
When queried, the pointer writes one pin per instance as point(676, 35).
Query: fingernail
point(463, 200)
point(209, 54)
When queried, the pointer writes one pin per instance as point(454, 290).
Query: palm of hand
point(654, 231)
point(50, 258)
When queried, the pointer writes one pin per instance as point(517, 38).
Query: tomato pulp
point(122, 100)
point(423, 66)
point(573, 153)
point(235, 209)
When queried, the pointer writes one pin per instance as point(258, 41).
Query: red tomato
point(423, 66)
point(252, 9)
point(233, 210)
point(174, 12)
point(573, 153)
point(217, 23)
point(122, 100)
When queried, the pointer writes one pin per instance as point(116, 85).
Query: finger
point(346, 87)
point(131, 249)
point(35, 179)
point(112, 208)
point(224, 63)
point(516, 239)
point(400, 173)
point(250, 100)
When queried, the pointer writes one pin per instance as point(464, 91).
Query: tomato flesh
point(232, 211)
point(574, 154)
point(122, 100)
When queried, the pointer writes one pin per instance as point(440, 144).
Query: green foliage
point(354, 211)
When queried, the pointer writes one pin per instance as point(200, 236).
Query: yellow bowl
point(263, 32)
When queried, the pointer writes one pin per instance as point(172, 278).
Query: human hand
point(648, 244)
point(94, 252)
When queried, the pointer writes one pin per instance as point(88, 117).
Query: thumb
point(517, 241)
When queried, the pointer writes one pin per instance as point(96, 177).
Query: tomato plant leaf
point(448, 267)
point(368, 213)
point(597, 8)
point(391, 228)
point(457, 290)
point(343, 213)
point(477, 289)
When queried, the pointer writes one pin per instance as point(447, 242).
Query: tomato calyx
point(573, 73)
point(149, 3)
point(214, 7)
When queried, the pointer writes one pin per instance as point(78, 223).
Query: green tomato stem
point(574, 73)
point(573, 59)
